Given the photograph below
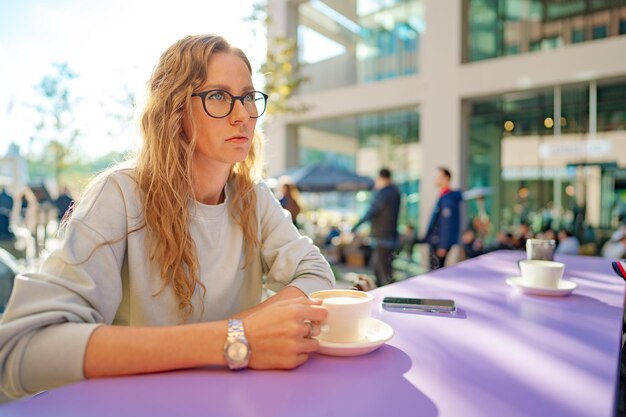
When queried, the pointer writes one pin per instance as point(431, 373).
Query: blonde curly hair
point(164, 166)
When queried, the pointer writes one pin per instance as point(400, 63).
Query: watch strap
point(235, 330)
point(236, 334)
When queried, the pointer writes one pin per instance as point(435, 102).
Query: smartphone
point(424, 305)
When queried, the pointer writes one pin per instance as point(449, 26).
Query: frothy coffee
point(342, 300)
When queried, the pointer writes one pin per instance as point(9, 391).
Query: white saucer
point(378, 333)
point(565, 288)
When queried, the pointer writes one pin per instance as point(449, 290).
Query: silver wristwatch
point(236, 349)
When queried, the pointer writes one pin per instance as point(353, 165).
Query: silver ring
point(311, 330)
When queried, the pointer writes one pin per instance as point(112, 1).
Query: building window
point(390, 38)
point(364, 41)
point(612, 107)
point(578, 35)
point(496, 28)
point(599, 32)
point(505, 138)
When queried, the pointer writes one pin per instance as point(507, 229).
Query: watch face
point(237, 351)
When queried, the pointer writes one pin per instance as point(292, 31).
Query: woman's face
point(225, 141)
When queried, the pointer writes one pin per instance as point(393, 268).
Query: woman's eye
point(249, 98)
point(218, 96)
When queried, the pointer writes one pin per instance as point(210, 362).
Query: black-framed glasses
point(220, 103)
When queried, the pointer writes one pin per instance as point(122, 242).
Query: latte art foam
point(343, 300)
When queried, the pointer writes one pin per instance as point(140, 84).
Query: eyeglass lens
point(220, 103)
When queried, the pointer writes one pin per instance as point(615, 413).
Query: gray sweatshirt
point(84, 284)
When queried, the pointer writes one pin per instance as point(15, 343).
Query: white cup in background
point(348, 314)
point(542, 274)
point(540, 249)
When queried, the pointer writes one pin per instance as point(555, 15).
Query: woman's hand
point(280, 334)
point(287, 293)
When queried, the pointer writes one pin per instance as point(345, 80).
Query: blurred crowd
point(475, 242)
point(28, 219)
point(387, 247)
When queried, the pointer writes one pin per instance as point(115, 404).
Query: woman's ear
point(187, 126)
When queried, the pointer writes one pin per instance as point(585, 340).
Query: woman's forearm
point(121, 350)
point(284, 294)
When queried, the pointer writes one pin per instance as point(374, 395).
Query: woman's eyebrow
point(227, 88)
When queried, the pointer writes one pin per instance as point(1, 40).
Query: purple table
point(504, 354)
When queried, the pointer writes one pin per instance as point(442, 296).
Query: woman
point(289, 201)
point(160, 251)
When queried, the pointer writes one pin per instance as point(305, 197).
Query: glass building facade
point(372, 40)
point(541, 182)
point(497, 28)
point(361, 42)
point(469, 90)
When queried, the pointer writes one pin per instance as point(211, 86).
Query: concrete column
point(593, 109)
point(557, 111)
point(497, 185)
point(556, 193)
point(593, 195)
point(281, 144)
point(284, 17)
point(441, 112)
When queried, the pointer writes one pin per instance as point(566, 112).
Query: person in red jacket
point(445, 223)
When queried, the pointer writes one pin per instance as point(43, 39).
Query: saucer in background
point(565, 288)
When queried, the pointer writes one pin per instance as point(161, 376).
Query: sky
point(112, 45)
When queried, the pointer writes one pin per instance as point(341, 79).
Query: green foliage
point(281, 67)
point(282, 76)
point(56, 130)
point(78, 173)
point(122, 112)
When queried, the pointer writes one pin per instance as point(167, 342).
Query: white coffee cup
point(543, 274)
point(348, 314)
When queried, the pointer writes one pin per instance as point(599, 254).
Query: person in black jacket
point(63, 203)
point(6, 206)
point(445, 223)
point(383, 217)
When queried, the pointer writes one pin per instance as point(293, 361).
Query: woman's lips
point(237, 139)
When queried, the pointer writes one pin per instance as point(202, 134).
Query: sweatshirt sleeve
point(291, 259)
point(52, 313)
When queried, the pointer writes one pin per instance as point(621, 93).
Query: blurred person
point(23, 208)
point(445, 222)
point(503, 241)
point(615, 247)
point(481, 223)
point(618, 233)
point(472, 247)
point(6, 208)
point(408, 239)
point(383, 218)
point(333, 233)
point(521, 236)
point(162, 260)
point(547, 216)
point(289, 201)
point(6, 201)
point(568, 243)
point(549, 234)
point(63, 203)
